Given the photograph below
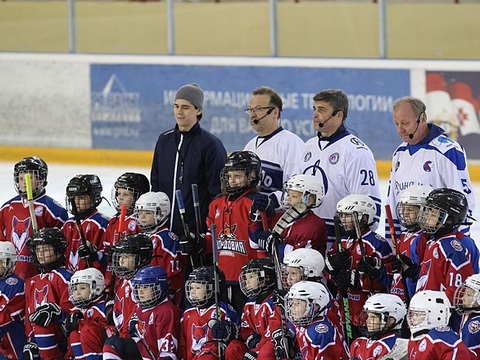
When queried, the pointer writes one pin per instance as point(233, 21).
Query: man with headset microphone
point(427, 156)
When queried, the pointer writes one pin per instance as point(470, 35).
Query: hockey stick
point(196, 208)
point(398, 352)
point(31, 207)
point(216, 284)
point(181, 210)
point(118, 236)
point(79, 226)
point(391, 228)
point(358, 232)
point(142, 340)
point(289, 216)
point(346, 308)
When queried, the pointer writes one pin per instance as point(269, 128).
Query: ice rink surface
point(60, 174)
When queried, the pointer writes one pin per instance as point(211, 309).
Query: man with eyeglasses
point(277, 148)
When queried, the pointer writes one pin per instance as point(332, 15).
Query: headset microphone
point(333, 114)
point(418, 123)
point(256, 121)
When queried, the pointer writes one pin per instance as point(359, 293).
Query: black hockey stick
point(196, 208)
point(79, 226)
point(216, 285)
point(358, 232)
point(181, 209)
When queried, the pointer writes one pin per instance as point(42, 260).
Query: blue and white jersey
point(437, 161)
point(279, 153)
point(346, 166)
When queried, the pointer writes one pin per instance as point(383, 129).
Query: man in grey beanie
point(186, 155)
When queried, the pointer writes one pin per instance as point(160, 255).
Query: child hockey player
point(85, 326)
point(84, 194)
point(130, 254)
point(467, 302)
point(302, 264)
point(230, 211)
point(153, 328)
point(358, 267)
point(15, 222)
point(432, 338)
point(153, 210)
point(46, 297)
point(12, 305)
point(308, 230)
point(381, 320)
point(316, 336)
point(200, 334)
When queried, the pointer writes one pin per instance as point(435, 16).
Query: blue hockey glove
point(223, 330)
point(252, 340)
point(261, 203)
point(45, 314)
point(266, 240)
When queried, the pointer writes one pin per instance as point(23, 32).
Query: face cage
point(307, 317)
point(35, 191)
point(157, 295)
point(382, 324)
point(422, 325)
point(401, 217)
point(351, 231)
point(250, 292)
point(208, 292)
point(82, 304)
point(51, 265)
point(458, 300)
point(236, 190)
point(121, 271)
point(8, 264)
point(116, 205)
point(158, 221)
point(81, 213)
point(284, 268)
point(423, 218)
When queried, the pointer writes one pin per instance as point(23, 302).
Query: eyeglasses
point(250, 111)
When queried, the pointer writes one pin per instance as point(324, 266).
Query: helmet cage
point(84, 185)
point(56, 239)
point(308, 315)
point(308, 185)
point(137, 183)
point(314, 295)
point(91, 277)
point(209, 292)
point(467, 296)
point(37, 168)
point(246, 161)
point(428, 309)
point(158, 203)
point(153, 278)
point(424, 216)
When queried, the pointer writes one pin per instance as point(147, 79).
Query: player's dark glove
point(45, 314)
point(71, 322)
point(192, 244)
point(349, 279)
point(267, 241)
point(261, 203)
point(223, 330)
point(31, 352)
point(250, 355)
point(87, 251)
point(401, 263)
point(133, 326)
point(337, 262)
point(370, 265)
point(283, 345)
point(252, 340)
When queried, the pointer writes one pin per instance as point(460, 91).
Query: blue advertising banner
point(132, 104)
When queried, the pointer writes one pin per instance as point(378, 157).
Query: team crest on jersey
point(11, 280)
point(442, 328)
point(308, 156)
point(457, 245)
point(40, 296)
point(20, 233)
point(428, 166)
point(199, 335)
point(423, 345)
point(132, 225)
point(377, 351)
point(333, 159)
point(141, 328)
point(90, 313)
point(474, 326)
point(321, 328)
point(435, 253)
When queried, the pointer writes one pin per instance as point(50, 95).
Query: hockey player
point(359, 268)
point(308, 230)
point(153, 327)
point(200, 334)
point(153, 210)
point(316, 336)
point(12, 305)
point(15, 222)
point(86, 324)
point(83, 195)
point(342, 161)
point(46, 297)
point(466, 301)
point(230, 211)
point(381, 321)
point(261, 321)
point(125, 191)
point(432, 338)
point(302, 264)
point(130, 254)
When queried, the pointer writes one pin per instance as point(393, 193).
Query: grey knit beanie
point(192, 93)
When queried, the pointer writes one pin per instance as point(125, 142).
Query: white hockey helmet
point(92, 277)
point(310, 261)
point(159, 203)
point(316, 297)
point(428, 309)
point(467, 296)
point(8, 257)
point(387, 306)
point(413, 195)
point(360, 205)
point(308, 185)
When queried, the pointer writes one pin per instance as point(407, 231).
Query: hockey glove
point(401, 263)
point(283, 345)
point(252, 340)
point(133, 326)
point(337, 262)
point(370, 265)
point(192, 244)
point(250, 355)
point(348, 280)
point(88, 251)
point(71, 322)
point(45, 314)
point(261, 203)
point(267, 241)
point(31, 352)
point(223, 331)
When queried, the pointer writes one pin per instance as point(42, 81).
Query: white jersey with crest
point(346, 165)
